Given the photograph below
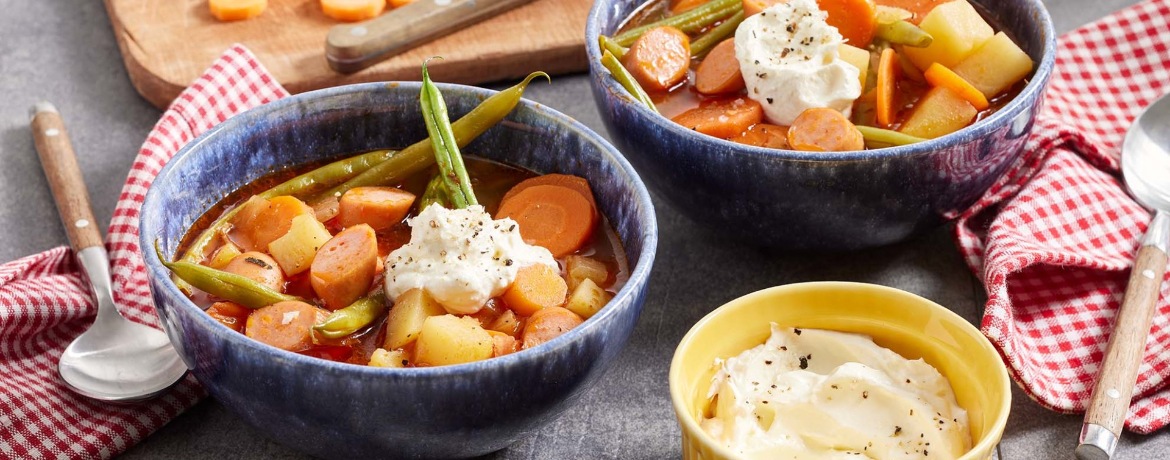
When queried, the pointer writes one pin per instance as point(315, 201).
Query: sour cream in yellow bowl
point(951, 398)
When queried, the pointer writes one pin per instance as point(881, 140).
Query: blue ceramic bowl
point(338, 410)
point(823, 201)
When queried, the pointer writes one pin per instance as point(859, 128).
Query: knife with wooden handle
point(352, 47)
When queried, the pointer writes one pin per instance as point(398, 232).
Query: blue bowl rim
point(979, 129)
point(638, 277)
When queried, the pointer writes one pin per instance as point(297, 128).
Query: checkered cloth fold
point(45, 302)
point(1054, 239)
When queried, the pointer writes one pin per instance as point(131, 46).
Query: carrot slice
point(551, 216)
point(399, 3)
point(286, 325)
point(549, 324)
point(853, 18)
point(938, 75)
point(682, 6)
point(824, 130)
point(352, 10)
point(503, 344)
point(261, 221)
point(764, 135)
point(719, 72)
point(230, 314)
point(235, 10)
point(575, 183)
point(258, 267)
point(378, 207)
point(344, 267)
point(887, 81)
point(659, 58)
point(751, 7)
point(536, 287)
point(722, 118)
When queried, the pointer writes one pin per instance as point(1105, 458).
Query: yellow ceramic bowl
point(905, 323)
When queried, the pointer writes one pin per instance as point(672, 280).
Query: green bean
point(447, 155)
point(436, 193)
point(329, 175)
point(878, 138)
point(607, 44)
point(689, 22)
point(420, 155)
point(224, 285)
point(325, 176)
point(350, 319)
point(904, 33)
point(702, 45)
point(623, 76)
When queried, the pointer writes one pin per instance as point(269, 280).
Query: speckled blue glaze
point(823, 201)
point(337, 410)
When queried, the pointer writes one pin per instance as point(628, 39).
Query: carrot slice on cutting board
point(235, 10)
point(352, 10)
point(551, 216)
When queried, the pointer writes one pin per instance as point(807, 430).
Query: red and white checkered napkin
point(1054, 239)
point(45, 303)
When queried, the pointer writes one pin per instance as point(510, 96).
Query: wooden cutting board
point(166, 44)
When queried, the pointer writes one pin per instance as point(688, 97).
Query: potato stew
point(817, 75)
point(375, 260)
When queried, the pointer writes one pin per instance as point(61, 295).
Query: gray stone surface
point(63, 51)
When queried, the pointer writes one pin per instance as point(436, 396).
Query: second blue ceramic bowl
point(823, 201)
point(338, 410)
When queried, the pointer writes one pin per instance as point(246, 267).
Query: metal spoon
point(1145, 164)
point(116, 360)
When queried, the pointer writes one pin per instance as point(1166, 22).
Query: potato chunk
point(587, 299)
point(957, 30)
point(995, 66)
point(295, 250)
point(389, 358)
point(941, 111)
point(406, 317)
point(856, 57)
point(449, 339)
point(580, 268)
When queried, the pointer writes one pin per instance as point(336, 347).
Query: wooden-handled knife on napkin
point(352, 47)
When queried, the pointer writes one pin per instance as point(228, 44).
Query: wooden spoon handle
point(1127, 342)
point(64, 176)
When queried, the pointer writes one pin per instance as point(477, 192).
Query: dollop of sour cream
point(461, 257)
point(789, 58)
point(815, 394)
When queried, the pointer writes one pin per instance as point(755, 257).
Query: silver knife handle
point(352, 47)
